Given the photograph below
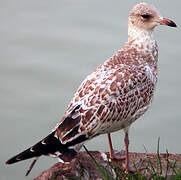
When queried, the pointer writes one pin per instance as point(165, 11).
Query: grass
point(152, 171)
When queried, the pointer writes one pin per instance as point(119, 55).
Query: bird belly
point(112, 126)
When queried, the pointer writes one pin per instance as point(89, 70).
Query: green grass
point(156, 172)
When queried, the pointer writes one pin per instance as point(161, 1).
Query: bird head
point(144, 16)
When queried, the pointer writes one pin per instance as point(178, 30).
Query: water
point(47, 49)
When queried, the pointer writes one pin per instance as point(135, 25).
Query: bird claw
point(134, 166)
point(130, 168)
point(117, 155)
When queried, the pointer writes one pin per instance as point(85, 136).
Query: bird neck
point(136, 33)
point(146, 46)
point(143, 40)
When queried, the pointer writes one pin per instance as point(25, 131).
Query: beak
point(167, 22)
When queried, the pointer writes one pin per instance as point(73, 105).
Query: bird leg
point(126, 141)
point(111, 153)
point(116, 155)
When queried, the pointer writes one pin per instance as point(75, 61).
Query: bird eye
point(145, 16)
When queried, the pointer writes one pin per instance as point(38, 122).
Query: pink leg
point(126, 141)
point(111, 154)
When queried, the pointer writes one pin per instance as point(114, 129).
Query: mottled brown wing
point(105, 96)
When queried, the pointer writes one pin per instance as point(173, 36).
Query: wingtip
point(7, 162)
point(41, 148)
point(13, 160)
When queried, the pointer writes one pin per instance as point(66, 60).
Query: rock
point(83, 166)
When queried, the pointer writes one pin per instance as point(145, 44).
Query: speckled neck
point(146, 46)
point(135, 33)
point(143, 41)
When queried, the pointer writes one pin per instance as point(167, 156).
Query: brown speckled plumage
point(116, 93)
point(113, 96)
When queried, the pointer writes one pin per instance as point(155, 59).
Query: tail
point(47, 146)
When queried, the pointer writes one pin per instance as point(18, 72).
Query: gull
point(113, 96)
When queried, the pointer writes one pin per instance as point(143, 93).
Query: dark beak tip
point(172, 24)
point(168, 22)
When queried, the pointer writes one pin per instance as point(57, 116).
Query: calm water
point(47, 49)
